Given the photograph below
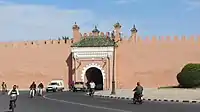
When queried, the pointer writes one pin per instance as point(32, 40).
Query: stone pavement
point(154, 94)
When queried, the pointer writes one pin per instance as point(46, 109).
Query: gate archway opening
point(94, 74)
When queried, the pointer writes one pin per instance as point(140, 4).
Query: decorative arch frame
point(90, 66)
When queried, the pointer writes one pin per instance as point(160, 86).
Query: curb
point(149, 99)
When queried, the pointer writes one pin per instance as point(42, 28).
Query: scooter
point(138, 99)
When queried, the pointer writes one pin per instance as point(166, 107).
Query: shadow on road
point(134, 104)
point(8, 111)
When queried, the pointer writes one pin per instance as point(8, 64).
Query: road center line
point(86, 105)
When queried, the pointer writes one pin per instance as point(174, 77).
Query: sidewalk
point(151, 94)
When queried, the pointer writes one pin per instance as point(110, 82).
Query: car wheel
point(47, 91)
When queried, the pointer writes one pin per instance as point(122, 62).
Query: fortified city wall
point(154, 62)
point(24, 62)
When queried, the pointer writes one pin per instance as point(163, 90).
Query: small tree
point(65, 38)
point(189, 76)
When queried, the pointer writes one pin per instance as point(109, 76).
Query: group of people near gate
point(15, 92)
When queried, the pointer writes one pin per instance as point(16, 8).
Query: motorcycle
point(13, 105)
point(40, 91)
point(4, 91)
point(138, 99)
point(32, 93)
point(91, 92)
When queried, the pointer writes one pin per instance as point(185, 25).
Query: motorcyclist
point(92, 87)
point(13, 93)
point(138, 91)
point(40, 88)
point(4, 87)
point(33, 87)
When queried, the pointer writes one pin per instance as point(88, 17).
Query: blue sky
point(45, 19)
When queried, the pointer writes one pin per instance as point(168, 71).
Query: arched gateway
point(92, 60)
point(94, 72)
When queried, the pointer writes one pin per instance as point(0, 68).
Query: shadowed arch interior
point(94, 74)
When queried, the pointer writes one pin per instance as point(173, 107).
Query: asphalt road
point(78, 102)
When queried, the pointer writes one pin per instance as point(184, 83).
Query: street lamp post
point(113, 92)
point(113, 75)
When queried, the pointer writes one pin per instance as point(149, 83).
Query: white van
point(55, 85)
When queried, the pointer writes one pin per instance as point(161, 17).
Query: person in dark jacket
point(40, 89)
point(138, 90)
point(41, 86)
point(33, 88)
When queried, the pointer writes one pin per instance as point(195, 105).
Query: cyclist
point(13, 93)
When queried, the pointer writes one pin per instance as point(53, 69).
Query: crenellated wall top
point(35, 43)
point(150, 39)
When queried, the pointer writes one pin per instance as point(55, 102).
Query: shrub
point(191, 68)
point(189, 76)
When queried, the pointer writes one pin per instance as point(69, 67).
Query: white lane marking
point(86, 105)
point(104, 101)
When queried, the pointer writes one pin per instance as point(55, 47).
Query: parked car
point(55, 85)
point(79, 86)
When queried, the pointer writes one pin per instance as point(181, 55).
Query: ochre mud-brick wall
point(154, 62)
